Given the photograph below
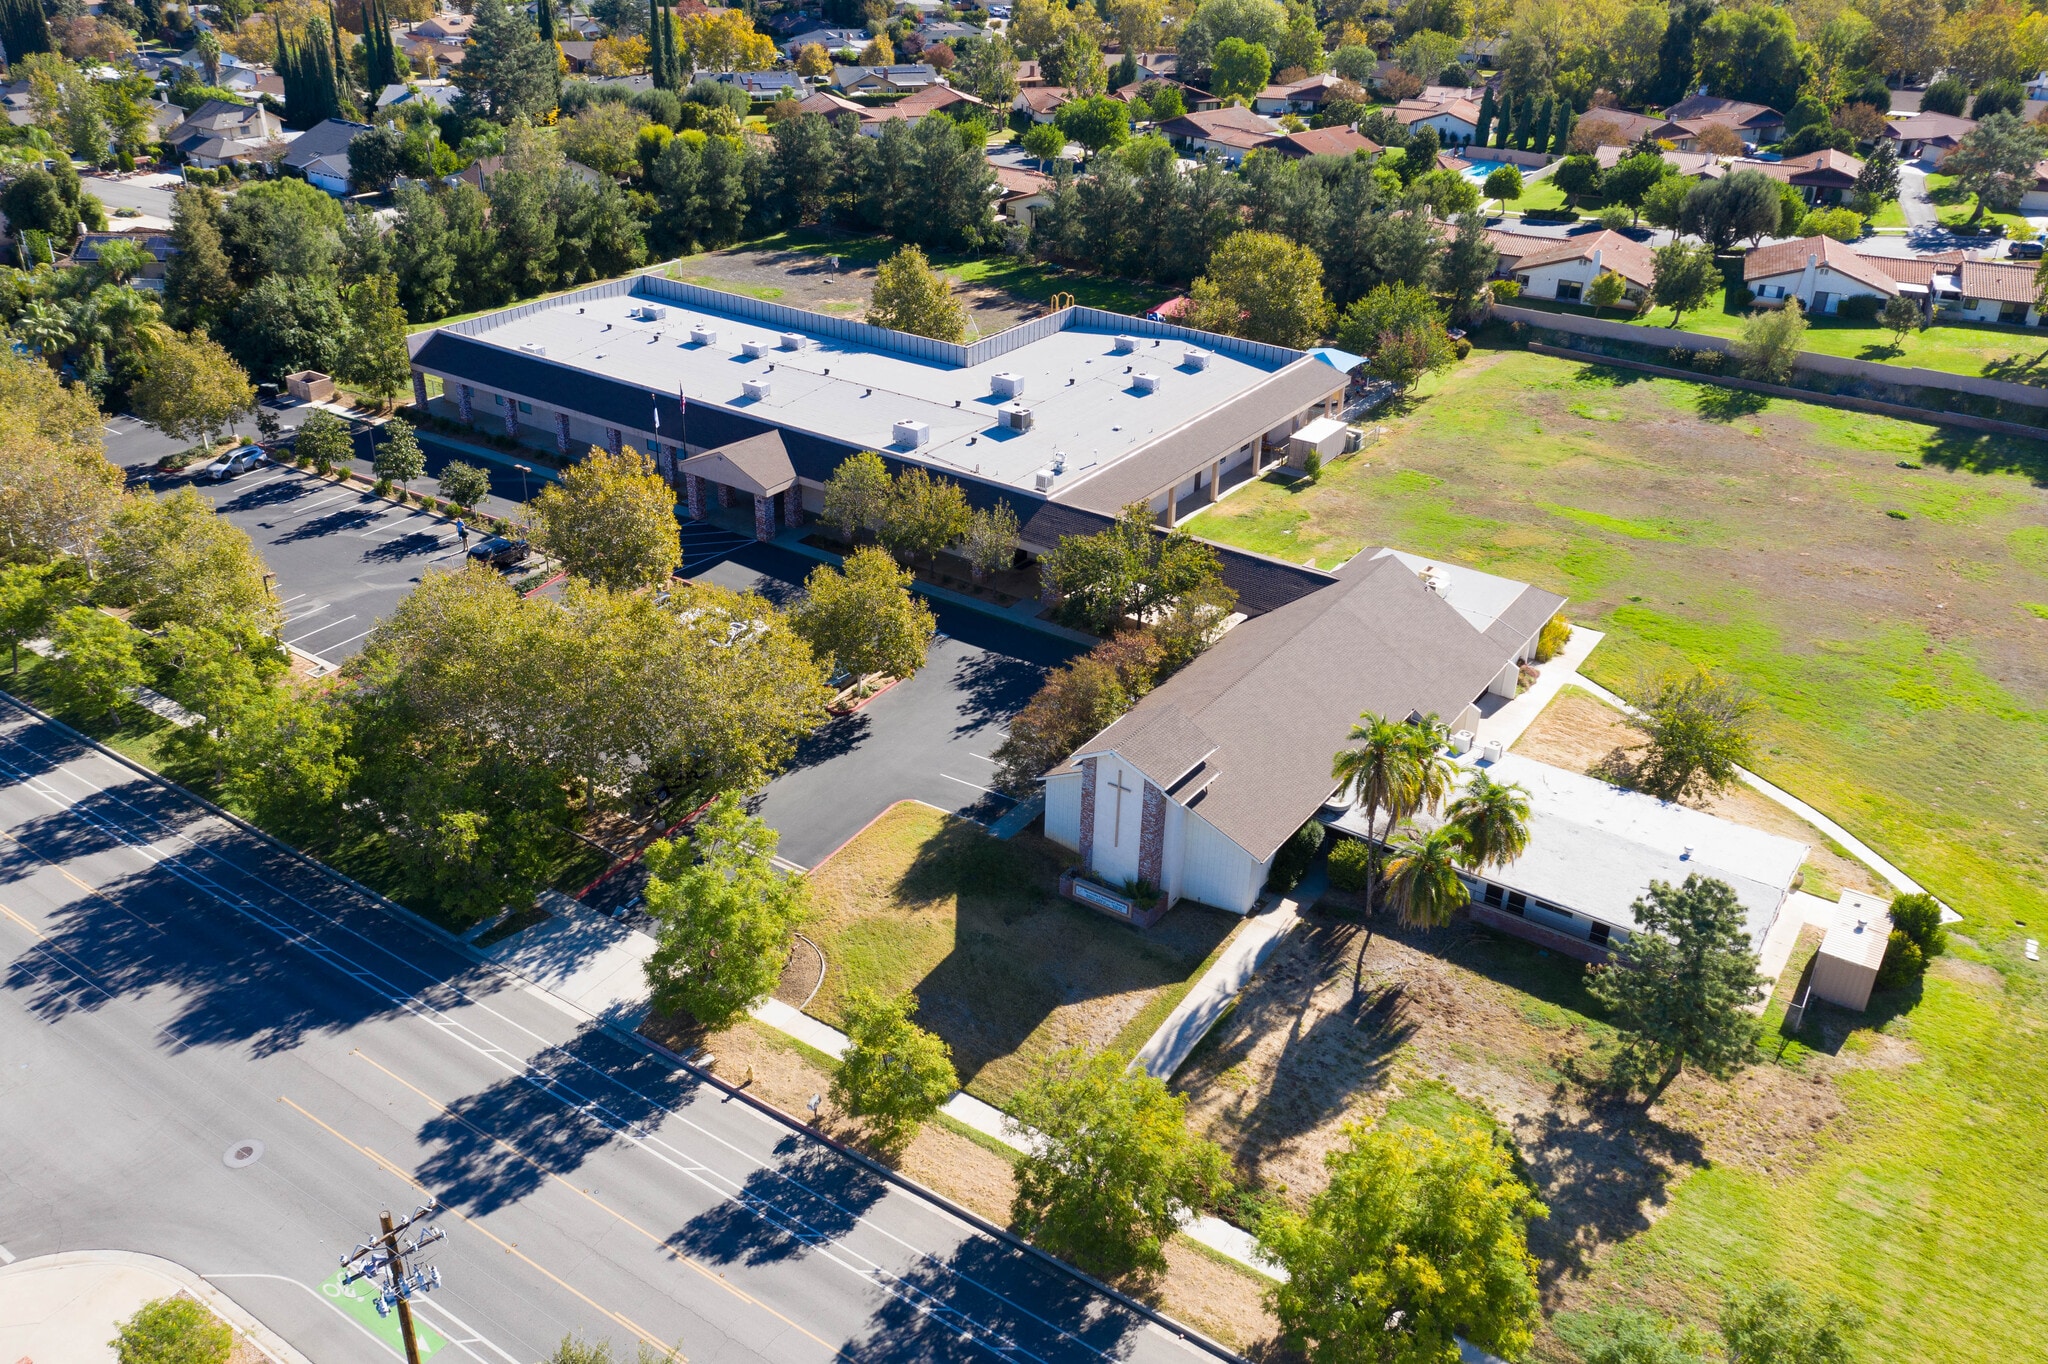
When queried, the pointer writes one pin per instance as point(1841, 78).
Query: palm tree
point(1376, 771)
point(1491, 819)
point(1423, 880)
point(44, 326)
point(1433, 773)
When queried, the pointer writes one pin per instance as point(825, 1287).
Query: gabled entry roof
point(758, 465)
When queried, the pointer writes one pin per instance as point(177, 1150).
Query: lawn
point(1904, 690)
point(1954, 208)
point(1029, 281)
point(1003, 969)
point(2016, 353)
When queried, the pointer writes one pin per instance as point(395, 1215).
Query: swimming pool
point(1477, 171)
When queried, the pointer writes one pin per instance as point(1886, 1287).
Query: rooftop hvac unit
point(1126, 344)
point(1434, 584)
point(910, 435)
point(534, 348)
point(793, 340)
point(648, 312)
point(1491, 753)
point(1042, 480)
point(1016, 417)
point(1461, 742)
point(703, 336)
point(1006, 385)
point(758, 389)
point(753, 348)
point(1145, 383)
point(1196, 358)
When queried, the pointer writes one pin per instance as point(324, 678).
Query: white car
point(236, 461)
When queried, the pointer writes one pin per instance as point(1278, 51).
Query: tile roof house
point(1324, 142)
point(933, 99)
point(1227, 133)
point(1196, 788)
point(1818, 271)
point(1562, 268)
point(1757, 123)
point(1023, 193)
point(1824, 177)
point(1621, 128)
point(825, 103)
point(1455, 120)
point(1298, 97)
point(218, 133)
point(883, 80)
point(1928, 137)
point(1691, 165)
point(1996, 291)
point(1041, 101)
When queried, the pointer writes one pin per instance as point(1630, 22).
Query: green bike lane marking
point(359, 1301)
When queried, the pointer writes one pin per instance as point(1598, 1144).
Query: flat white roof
point(1479, 597)
point(1082, 394)
point(1595, 848)
point(1862, 928)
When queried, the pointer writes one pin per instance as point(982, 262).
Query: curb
point(244, 1322)
point(633, 1038)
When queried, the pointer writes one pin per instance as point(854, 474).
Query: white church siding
point(1216, 871)
point(1116, 849)
point(1063, 809)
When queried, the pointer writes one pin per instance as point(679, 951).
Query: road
point(214, 1052)
point(153, 195)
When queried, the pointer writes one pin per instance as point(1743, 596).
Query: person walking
point(462, 531)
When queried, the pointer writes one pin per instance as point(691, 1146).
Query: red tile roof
point(1790, 257)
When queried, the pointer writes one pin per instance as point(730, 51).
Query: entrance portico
point(758, 466)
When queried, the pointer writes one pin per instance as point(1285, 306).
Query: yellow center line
point(648, 1336)
point(24, 923)
point(65, 872)
point(588, 1197)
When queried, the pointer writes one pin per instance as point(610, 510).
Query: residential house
point(1818, 271)
point(1621, 128)
point(1755, 123)
point(1192, 97)
point(1455, 120)
point(448, 26)
point(1825, 177)
point(2035, 200)
point(1324, 142)
point(220, 133)
point(418, 47)
point(1594, 849)
point(159, 246)
point(1928, 137)
point(1030, 74)
point(321, 154)
point(831, 39)
point(1196, 788)
point(20, 105)
point(1226, 133)
point(1996, 291)
point(1691, 165)
point(1563, 268)
point(577, 52)
point(436, 94)
point(1021, 193)
point(1041, 102)
point(829, 106)
point(1298, 97)
point(883, 80)
point(479, 172)
point(762, 84)
point(933, 99)
point(945, 31)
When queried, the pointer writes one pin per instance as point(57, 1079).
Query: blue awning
point(1336, 359)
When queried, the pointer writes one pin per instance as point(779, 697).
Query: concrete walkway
point(1206, 1000)
point(66, 1308)
point(1512, 720)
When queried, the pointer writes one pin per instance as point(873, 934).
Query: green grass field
point(1029, 280)
point(1904, 691)
point(1955, 208)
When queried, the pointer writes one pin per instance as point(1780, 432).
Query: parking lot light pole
point(523, 472)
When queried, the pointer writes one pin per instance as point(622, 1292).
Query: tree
point(1262, 286)
point(464, 484)
point(94, 659)
point(1491, 821)
point(1392, 768)
point(865, 619)
point(1074, 703)
point(1878, 181)
point(1900, 316)
point(723, 913)
point(1632, 177)
point(1419, 1239)
point(173, 1331)
point(191, 388)
point(1680, 986)
point(611, 521)
point(28, 599)
point(1254, 21)
point(910, 296)
point(1770, 342)
point(397, 459)
point(893, 1073)
point(1683, 278)
point(1117, 1167)
point(197, 284)
point(1996, 161)
point(1577, 175)
point(1504, 183)
point(1400, 331)
point(1698, 730)
point(1917, 938)
point(857, 496)
point(1098, 122)
point(1664, 205)
point(374, 361)
point(1776, 1324)
point(1469, 261)
point(990, 545)
point(1127, 572)
point(1752, 54)
point(506, 71)
point(1722, 212)
point(323, 441)
point(1423, 882)
point(173, 558)
point(1946, 96)
point(1044, 141)
point(1627, 1336)
point(1606, 290)
point(1239, 69)
point(813, 62)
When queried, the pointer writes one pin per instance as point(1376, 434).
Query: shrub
point(1505, 289)
point(1863, 308)
point(1556, 633)
point(1461, 348)
point(173, 1331)
point(1312, 466)
point(1707, 361)
point(1350, 865)
point(1615, 217)
point(1290, 864)
point(1904, 962)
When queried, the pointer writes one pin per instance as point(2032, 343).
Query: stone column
point(1088, 812)
point(419, 390)
point(562, 434)
point(724, 495)
point(693, 496)
point(764, 517)
point(793, 505)
point(1152, 837)
point(465, 400)
point(512, 417)
point(614, 439)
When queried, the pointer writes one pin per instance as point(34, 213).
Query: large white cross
point(1117, 828)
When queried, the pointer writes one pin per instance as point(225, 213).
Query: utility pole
point(382, 1261)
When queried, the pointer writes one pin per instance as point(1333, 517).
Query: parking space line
point(350, 640)
point(295, 617)
point(977, 786)
point(315, 506)
point(321, 630)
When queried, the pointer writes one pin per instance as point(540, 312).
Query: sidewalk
point(1512, 720)
point(66, 1308)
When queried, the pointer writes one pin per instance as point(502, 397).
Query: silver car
point(237, 461)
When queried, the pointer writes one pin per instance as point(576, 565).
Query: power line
point(382, 1262)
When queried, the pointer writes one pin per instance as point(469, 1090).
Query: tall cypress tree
point(1561, 128)
point(1538, 134)
point(544, 25)
point(23, 28)
point(1487, 110)
point(657, 58)
point(1504, 123)
point(1525, 122)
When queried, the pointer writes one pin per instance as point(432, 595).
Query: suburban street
point(217, 1053)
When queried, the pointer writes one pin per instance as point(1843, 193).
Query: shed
point(309, 386)
point(1327, 436)
point(1845, 969)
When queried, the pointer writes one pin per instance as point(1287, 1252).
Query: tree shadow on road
point(812, 1196)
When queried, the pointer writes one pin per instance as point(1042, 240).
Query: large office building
point(1070, 417)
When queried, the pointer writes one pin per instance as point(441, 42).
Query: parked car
point(237, 461)
point(500, 552)
point(2025, 251)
